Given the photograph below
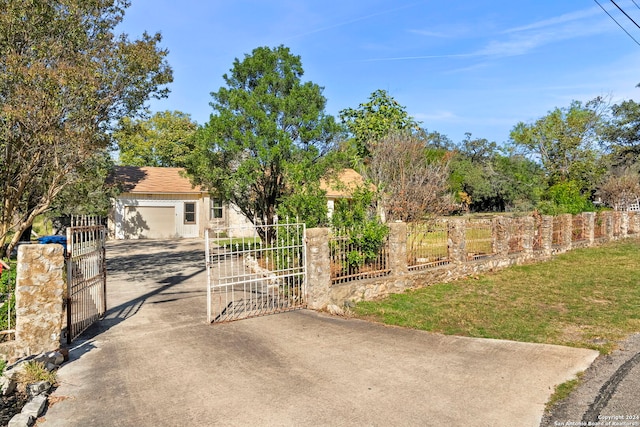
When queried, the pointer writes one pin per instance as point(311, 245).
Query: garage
point(149, 222)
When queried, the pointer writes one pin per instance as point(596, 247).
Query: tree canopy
point(375, 119)
point(268, 135)
point(622, 134)
point(65, 77)
point(488, 178)
point(564, 141)
point(163, 140)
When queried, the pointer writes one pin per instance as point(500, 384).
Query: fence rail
point(479, 239)
point(247, 277)
point(579, 229)
point(427, 244)
point(517, 233)
point(557, 237)
point(86, 278)
point(354, 257)
point(600, 226)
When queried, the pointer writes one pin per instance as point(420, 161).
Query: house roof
point(342, 184)
point(146, 179)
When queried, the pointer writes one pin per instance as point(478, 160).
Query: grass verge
point(585, 298)
point(562, 391)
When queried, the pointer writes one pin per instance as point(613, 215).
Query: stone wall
point(540, 238)
point(39, 291)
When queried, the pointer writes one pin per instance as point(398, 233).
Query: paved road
point(154, 361)
point(609, 393)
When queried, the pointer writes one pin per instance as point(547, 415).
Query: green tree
point(564, 197)
point(165, 139)
point(622, 133)
point(357, 219)
point(90, 191)
point(65, 77)
point(374, 120)
point(268, 135)
point(492, 179)
point(564, 141)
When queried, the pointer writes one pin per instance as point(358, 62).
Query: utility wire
point(634, 2)
point(614, 20)
point(625, 13)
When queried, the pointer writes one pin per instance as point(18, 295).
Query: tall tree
point(564, 141)
point(65, 77)
point(375, 119)
point(165, 139)
point(268, 134)
point(622, 133)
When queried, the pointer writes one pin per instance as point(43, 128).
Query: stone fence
point(39, 292)
point(507, 241)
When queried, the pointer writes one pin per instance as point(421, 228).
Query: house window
point(216, 208)
point(190, 213)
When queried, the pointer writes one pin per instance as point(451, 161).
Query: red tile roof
point(135, 179)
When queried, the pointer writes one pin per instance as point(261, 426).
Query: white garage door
point(149, 222)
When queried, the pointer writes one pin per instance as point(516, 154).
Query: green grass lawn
point(585, 298)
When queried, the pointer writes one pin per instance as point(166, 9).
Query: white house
point(161, 203)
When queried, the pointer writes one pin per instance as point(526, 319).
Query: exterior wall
point(231, 217)
point(322, 293)
point(235, 218)
point(161, 200)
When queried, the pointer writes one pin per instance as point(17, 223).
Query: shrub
point(366, 235)
point(7, 298)
point(34, 372)
point(564, 197)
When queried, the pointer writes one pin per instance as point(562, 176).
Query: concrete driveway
point(154, 361)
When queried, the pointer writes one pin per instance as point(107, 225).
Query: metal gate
point(247, 277)
point(86, 277)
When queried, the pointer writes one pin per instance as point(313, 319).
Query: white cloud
point(567, 17)
point(428, 33)
point(437, 116)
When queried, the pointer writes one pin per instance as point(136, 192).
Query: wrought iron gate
point(86, 277)
point(247, 278)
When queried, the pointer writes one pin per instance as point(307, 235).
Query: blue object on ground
point(53, 239)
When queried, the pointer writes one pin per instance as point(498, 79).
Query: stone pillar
point(318, 268)
point(624, 224)
point(589, 226)
point(500, 235)
point(398, 248)
point(528, 234)
point(634, 223)
point(607, 218)
point(456, 240)
point(546, 234)
point(39, 292)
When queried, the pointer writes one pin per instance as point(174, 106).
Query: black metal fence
point(86, 300)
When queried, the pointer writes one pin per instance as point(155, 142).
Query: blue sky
point(457, 66)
